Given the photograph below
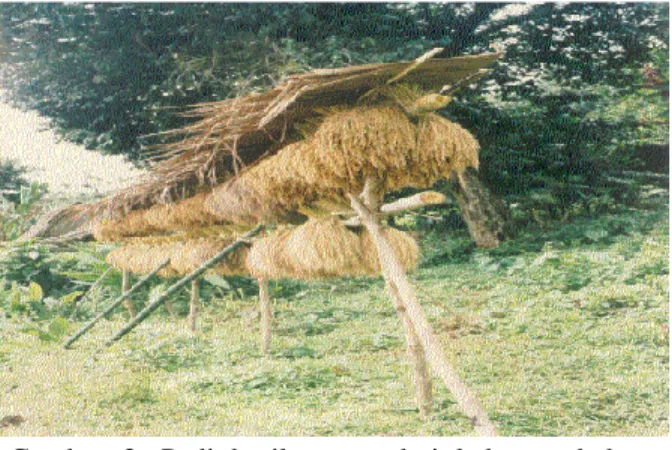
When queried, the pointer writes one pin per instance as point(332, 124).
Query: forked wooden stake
point(194, 304)
point(125, 287)
point(398, 283)
point(266, 315)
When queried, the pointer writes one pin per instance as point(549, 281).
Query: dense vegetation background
point(573, 123)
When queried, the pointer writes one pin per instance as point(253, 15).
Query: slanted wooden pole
point(142, 315)
point(194, 304)
point(395, 276)
point(114, 304)
point(266, 314)
point(402, 205)
point(125, 286)
point(423, 382)
point(88, 291)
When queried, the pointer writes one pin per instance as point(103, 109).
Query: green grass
point(561, 332)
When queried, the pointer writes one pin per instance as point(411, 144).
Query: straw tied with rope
point(324, 191)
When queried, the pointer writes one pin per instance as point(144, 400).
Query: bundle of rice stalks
point(133, 224)
point(189, 255)
point(405, 247)
point(353, 145)
point(181, 215)
point(142, 258)
point(443, 148)
point(322, 249)
point(273, 189)
point(311, 177)
point(266, 258)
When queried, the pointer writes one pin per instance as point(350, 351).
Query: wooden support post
point(114, 304)
point(125, 286)
point(398, 283)
point(266, 314)
point(485, 214)
point(88, 291)
point(142, 315)
point(423, 382)
point(194, 305)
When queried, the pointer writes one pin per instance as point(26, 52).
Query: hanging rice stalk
point(275, 190)
point(187, 256)
point(180, 215)
point(133, 224)
point(142, 258)
point(443, 148)
point(322, 249)
point(365, 142)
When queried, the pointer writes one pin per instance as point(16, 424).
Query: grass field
point(561, 332)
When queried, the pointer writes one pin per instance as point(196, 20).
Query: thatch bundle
point(322, 249)
point(240, 132)
point(191, 254)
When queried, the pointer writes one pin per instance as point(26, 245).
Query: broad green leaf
point(35, 292)
point(217, 280)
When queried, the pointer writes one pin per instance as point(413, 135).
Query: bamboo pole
point(194, 305)
point(142, 315)
point(422, 380)
point(394, 275)
point(125, 286)
point(88, 291)
point(114, 304)
point(266, 315)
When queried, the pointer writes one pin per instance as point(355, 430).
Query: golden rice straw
point(322, 249)
point(365, 142)
point(266, 258)
point(405, 247)
point(189, 255)
point(272, 189)
point(443, 148)
point(133, 224)
point(142, 258)
point(181, 215)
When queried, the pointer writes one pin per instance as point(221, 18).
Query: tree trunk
point(485, 214)
point(125, 286)
point(266, 315)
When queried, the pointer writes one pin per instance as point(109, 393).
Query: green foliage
point(19, 201)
